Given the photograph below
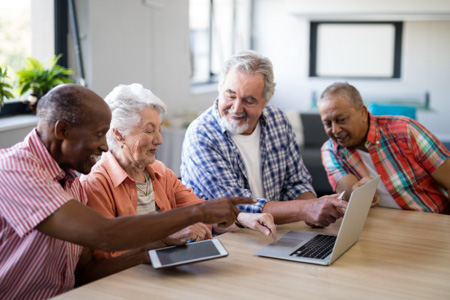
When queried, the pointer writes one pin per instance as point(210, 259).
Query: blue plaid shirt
point(213, 167)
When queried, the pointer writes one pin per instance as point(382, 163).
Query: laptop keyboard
point(318, 247)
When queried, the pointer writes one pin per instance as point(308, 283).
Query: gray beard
point(233, 126)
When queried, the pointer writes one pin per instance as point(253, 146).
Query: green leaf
point(39, 79)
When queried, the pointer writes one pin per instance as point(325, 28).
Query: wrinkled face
point(344, 123)
point(86, 141)
point(143, 141)
point(241, 101)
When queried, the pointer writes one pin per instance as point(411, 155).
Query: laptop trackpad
point(287, 242)
point(283, 247)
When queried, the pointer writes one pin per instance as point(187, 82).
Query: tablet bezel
point(156, 263)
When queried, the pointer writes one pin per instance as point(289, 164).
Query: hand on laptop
point(324, 211)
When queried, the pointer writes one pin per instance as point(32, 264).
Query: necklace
point(147, 185)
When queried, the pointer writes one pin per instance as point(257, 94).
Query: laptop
point(326, 248)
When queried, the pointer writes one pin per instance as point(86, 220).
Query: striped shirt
point(34, 265)
point(404, 153)
point(213, 167)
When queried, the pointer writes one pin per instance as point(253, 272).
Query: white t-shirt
point(250, 150)
point(386, 199)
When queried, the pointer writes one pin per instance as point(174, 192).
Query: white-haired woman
point(129, 180)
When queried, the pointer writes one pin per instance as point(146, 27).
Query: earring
point(123, 145)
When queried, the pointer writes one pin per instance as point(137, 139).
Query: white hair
point(250, 62)
point(126, 102)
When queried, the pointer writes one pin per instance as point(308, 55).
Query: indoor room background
point(148, 41)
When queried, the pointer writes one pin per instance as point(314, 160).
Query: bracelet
point(238, 224)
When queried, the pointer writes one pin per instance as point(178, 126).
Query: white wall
point(398, 7)
point(127, 41)
point(425, 59)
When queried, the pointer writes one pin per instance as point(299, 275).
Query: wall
point(14, 129)
point(425, 59)
point(125, 41)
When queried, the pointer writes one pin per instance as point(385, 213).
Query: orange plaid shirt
point(404, 153)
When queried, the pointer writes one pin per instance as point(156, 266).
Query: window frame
point(61, 29)
point(212, 76)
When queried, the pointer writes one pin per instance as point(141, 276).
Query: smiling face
point(143, 140)
point(241, 101)
point(344, 123)
point(84, 142)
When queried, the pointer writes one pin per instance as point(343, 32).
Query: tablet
point(193, 252)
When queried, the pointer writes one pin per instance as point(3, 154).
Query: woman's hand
point(263, 223)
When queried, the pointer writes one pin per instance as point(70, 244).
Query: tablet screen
point(192, 252)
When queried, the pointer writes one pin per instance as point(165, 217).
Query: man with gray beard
point(242, 146)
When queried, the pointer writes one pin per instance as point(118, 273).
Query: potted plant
point(5, 87)
point(38, 80)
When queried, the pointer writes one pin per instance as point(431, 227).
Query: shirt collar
point(154, 175)
point(118, 174)
point(38, 148)
point(373, 135)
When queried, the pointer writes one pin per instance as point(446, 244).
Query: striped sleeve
point(28, 195)
point(333, 164)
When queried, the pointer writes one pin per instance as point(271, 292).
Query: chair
point(395, 110)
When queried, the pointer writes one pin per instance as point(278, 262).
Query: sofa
point(313, 138)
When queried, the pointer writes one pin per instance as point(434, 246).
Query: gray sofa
point(313, 138)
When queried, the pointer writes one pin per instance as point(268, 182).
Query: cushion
point(393, 110)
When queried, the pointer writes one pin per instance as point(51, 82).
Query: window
point(218, 29)
point(15, 34)
point(355, 49)
point(15, 45)
point(26, 30)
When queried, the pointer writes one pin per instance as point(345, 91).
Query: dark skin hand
point(79, 224)
point(316, 212)
point(322, 214)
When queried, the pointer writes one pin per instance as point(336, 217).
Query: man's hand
point(222, 210)
point(261, 222)
point(364, 180)
point(324, 211)
point(194, 232)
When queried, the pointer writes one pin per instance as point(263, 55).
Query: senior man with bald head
point(414, 165)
